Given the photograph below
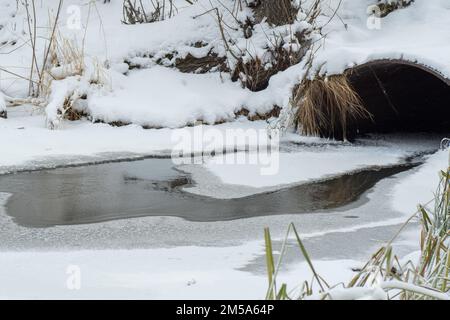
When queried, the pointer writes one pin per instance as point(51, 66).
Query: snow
point(2, 102)
point(416, 33)
point(178, 273)
point(241, 174)
point(159, 96)
point(302, 167)
point(420, 186)
point(184, 271)
point(153, 95)
point(162, 97)
point(26, 128)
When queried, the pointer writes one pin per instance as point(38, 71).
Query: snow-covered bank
point(81, 141)
point(161, 97)
point(421, 185)
point(413, 33)
point(28, 143)
point(158, 96)
point(118, 90)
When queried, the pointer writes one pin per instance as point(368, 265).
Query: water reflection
point(152, 188)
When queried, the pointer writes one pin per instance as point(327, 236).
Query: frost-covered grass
point(421, 275)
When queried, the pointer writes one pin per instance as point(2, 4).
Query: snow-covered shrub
point(272, 38)
point(67, 94)
point(280, 54)
point(69, 76)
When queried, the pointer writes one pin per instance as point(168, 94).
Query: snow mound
point(163, 97)
point(415, 34)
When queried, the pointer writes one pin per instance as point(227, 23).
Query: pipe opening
point(402, 97)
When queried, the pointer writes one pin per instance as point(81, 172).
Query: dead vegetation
point(383, 8)
point(243, 112)
point(282, 53)
point(134, 11)
point(256, 73)
point(275, 112)
point(210, 62)
point(326, 106)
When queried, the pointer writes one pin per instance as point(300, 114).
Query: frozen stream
point(152, 187)
point(183, 244)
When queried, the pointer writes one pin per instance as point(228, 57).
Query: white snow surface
point(420, 186)
point(162, 97)
point(416, 33)
point(26, 139)
point(303, 166)
point(242, 174)
point(178, 273)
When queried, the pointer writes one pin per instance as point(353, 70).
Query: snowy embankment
point(129, 73)
point(415, 34)
point(304, 166)
point(40, 147)
point(162, 97)
point(235, 176)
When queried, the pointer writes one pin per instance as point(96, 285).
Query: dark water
point(152, 188)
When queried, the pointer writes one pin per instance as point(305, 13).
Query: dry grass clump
point(326, 106)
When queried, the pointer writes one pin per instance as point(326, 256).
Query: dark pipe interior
point(402, 98)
